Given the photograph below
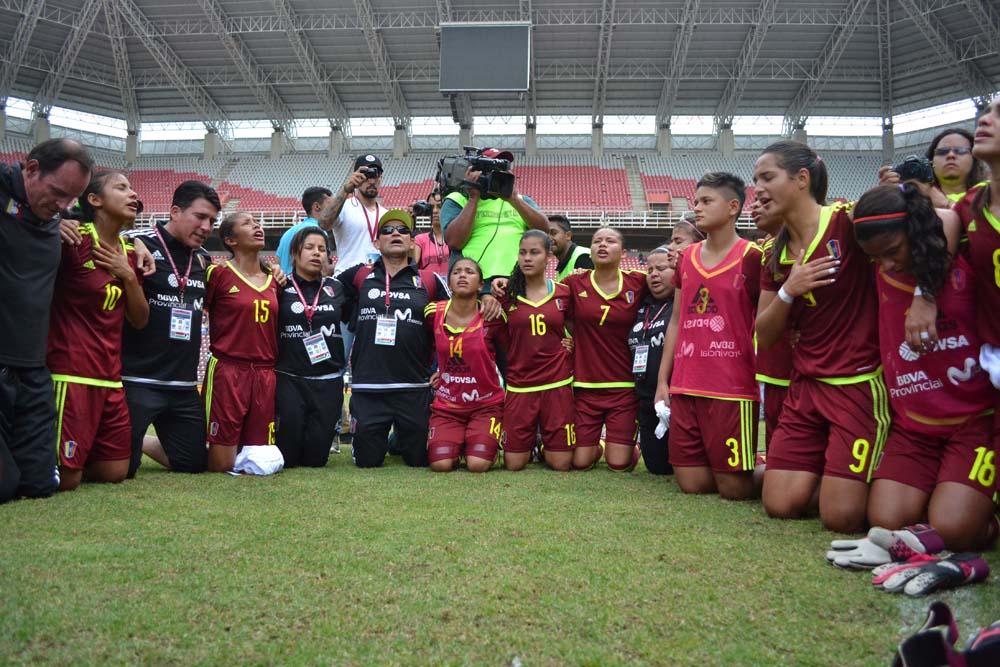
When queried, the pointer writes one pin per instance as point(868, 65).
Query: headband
point(701, 234)
point(887, 217)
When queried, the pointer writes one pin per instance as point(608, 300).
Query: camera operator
point(488, 229)
point(953, 169)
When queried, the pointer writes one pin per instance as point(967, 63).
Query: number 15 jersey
point(242, 318)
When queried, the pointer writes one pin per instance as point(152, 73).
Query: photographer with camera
point(948, 167)
point(354, 220)
point(429, 249)
point(485, 217)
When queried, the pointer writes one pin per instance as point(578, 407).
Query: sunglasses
point(389, 229)
point(957, 150)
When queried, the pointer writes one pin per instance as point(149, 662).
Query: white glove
point(663, 414)
point(857, 554)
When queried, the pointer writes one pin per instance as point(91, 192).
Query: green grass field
point(405, 567)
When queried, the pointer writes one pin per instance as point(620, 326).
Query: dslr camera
point(369, 172)
point(915, 168)
point(422, 209)
point(495, 179)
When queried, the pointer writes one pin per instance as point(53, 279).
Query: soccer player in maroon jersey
point(468, 401)
point(605, 302)
point(707, 370)
point(684, 234)
point(242, 304)
point(936, 461)
point(539, 367)
point(979, 212)
point(819, 282)
point(97, 287)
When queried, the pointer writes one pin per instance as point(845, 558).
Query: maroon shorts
point(455, 433)
point(774, 401)
point(239, 403)
point(617, 410)
point(924, 461)
point(713, 433)
point(552, 411)
point(92, 424)
point(828, 429)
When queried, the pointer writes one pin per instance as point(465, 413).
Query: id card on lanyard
point(180, 318)
point(316, 348)
point(373, 254)
point(385, 325)
point(641, 359)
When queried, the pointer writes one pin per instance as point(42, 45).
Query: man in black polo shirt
point(391, 357)
point(32, 196)
point(160, 363)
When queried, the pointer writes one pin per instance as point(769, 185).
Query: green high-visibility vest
point(571, 264)
point(496, 235)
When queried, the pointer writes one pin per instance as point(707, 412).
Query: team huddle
point(865, 330)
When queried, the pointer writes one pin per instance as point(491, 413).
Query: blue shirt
point(284, 251)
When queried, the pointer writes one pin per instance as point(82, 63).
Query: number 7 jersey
point(243, 318)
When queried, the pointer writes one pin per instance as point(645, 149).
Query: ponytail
point(891, 208)
point(793, 156)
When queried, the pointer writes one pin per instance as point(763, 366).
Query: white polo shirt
point(355, 234)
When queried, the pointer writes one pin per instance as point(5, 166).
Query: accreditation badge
point(641, 358)
point(180, 323)
point(316, 348)
point(385, 331)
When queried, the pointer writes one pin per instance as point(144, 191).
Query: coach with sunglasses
point(392, 348)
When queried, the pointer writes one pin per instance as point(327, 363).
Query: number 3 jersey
point(88, 313)
point(937, 392)
point(714, 354)
point(242, 318)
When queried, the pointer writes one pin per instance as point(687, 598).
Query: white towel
point(258, 460)
point(989, 361)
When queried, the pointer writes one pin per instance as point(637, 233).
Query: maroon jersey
point(983, 231)
point(88, 314)
point(714, 354)
point(601, 326)
point(466, 360)
point(536, 358)
point(774, 365)
point(937, 392)
point(838, 323)
point(242, 318)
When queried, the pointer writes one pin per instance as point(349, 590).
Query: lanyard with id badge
point(641, 359)
point(373, 254)
point(316, 348)
point(385, 325)
point(180, 317)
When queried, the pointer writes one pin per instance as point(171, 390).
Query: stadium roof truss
point(219, 61)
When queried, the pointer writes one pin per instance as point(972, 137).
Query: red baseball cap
point(498, 154)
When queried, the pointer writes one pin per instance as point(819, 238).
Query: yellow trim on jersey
point(990, 218)
point(90, 229)
point(903, 287)
point(209, 381)
point(767, 379)
point(825, 215)
point(239, 275)
point(541, 387)
point(720, 268)
point(92, 382)
point(458, 330)
point(600, 293)
point(552, 293)
point(604, 385)
point(880, 406)
point(853, 379)
point(208, 271)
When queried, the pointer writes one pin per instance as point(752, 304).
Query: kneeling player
point(98, 286)
point(937, 463)
point(539, 367)
point(242, 305)
point(468, 403)
point(708, 358)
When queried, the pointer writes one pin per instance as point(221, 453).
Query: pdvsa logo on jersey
point(69, 449)
point(374, 293)
point(906, 352)
point(298, 308)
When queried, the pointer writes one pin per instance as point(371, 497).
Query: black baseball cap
point(369, 161)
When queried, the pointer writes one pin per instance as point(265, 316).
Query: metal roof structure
point(216, 61)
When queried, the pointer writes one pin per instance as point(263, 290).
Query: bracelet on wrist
point(785, 296)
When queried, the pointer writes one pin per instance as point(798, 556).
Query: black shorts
point(27, 433)
point(179, 420)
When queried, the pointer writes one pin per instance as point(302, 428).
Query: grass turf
point(405, 567)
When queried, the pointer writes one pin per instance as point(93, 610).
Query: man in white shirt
point(354, 220)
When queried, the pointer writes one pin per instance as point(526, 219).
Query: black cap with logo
point(368, 161)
